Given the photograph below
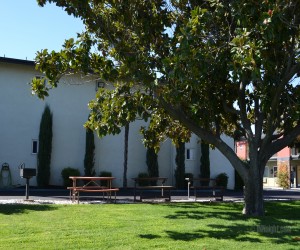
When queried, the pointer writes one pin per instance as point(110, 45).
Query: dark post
point(27, 189)
point(27, 173)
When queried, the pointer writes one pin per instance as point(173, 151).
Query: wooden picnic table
point(205, 187)
point(165, 190)
point(92, 184)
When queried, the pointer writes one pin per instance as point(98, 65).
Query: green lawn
point(148, 226)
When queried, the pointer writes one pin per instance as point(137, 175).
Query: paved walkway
point(177, 195)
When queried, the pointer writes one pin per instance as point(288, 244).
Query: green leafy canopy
point(210, 67)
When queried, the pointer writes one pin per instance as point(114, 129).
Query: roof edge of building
point(17, 61)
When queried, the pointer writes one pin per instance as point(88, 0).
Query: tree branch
point(243, 110)
point(204, 134)
point(283, 141)
point(276, 98)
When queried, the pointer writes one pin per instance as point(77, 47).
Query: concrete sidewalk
point(60, 194)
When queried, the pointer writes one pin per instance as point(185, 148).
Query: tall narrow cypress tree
point(204, 163)
point(89, 153)
point(180, 165)
point(152, 163)
point(45, 148)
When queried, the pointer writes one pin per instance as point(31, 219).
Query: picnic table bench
point(92, 186)
point(149, 189)
point(205, 187)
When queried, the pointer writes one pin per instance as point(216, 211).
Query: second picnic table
point(165, 190)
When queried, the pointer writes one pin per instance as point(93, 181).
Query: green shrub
point(143, 182)
point(283, 180)
point(105, 174)
point(283, 176)
point(222, 180)
point(66, 173)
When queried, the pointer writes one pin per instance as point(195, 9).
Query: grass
point(148, 226)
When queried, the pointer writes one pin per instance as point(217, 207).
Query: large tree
point(210, 67)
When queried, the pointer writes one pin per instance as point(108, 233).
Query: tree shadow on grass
point(208, 211)
point(199, 215)
point(216, 233)
point(238, 232)
point(279, 226)
point(149, 236)
point(206, 205)
point(283, 210)
point(185, 236)
point(10, 209)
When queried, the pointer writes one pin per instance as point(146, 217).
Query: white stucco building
point(20, 116)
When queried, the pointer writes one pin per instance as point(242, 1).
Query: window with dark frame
point(34, 149)
point(190, 154)
point(99, 84)
point(41, 77)
point(275, 171)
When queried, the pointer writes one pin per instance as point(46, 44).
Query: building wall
point(21, 113)
point(270, 174)
point(20, 116)
point(284, 153)
point(192, 165)
point(287, 156)
point(219, 164)
point(241, 149)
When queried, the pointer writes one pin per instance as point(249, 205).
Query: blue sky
point(27, 28)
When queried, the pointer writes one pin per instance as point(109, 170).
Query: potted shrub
point(105, 174)
point(143, 182)
point(283, 176)
point(66, 173)
point(222, 180)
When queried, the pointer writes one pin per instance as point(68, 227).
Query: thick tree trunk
point(253, 192)
point(252, 175)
